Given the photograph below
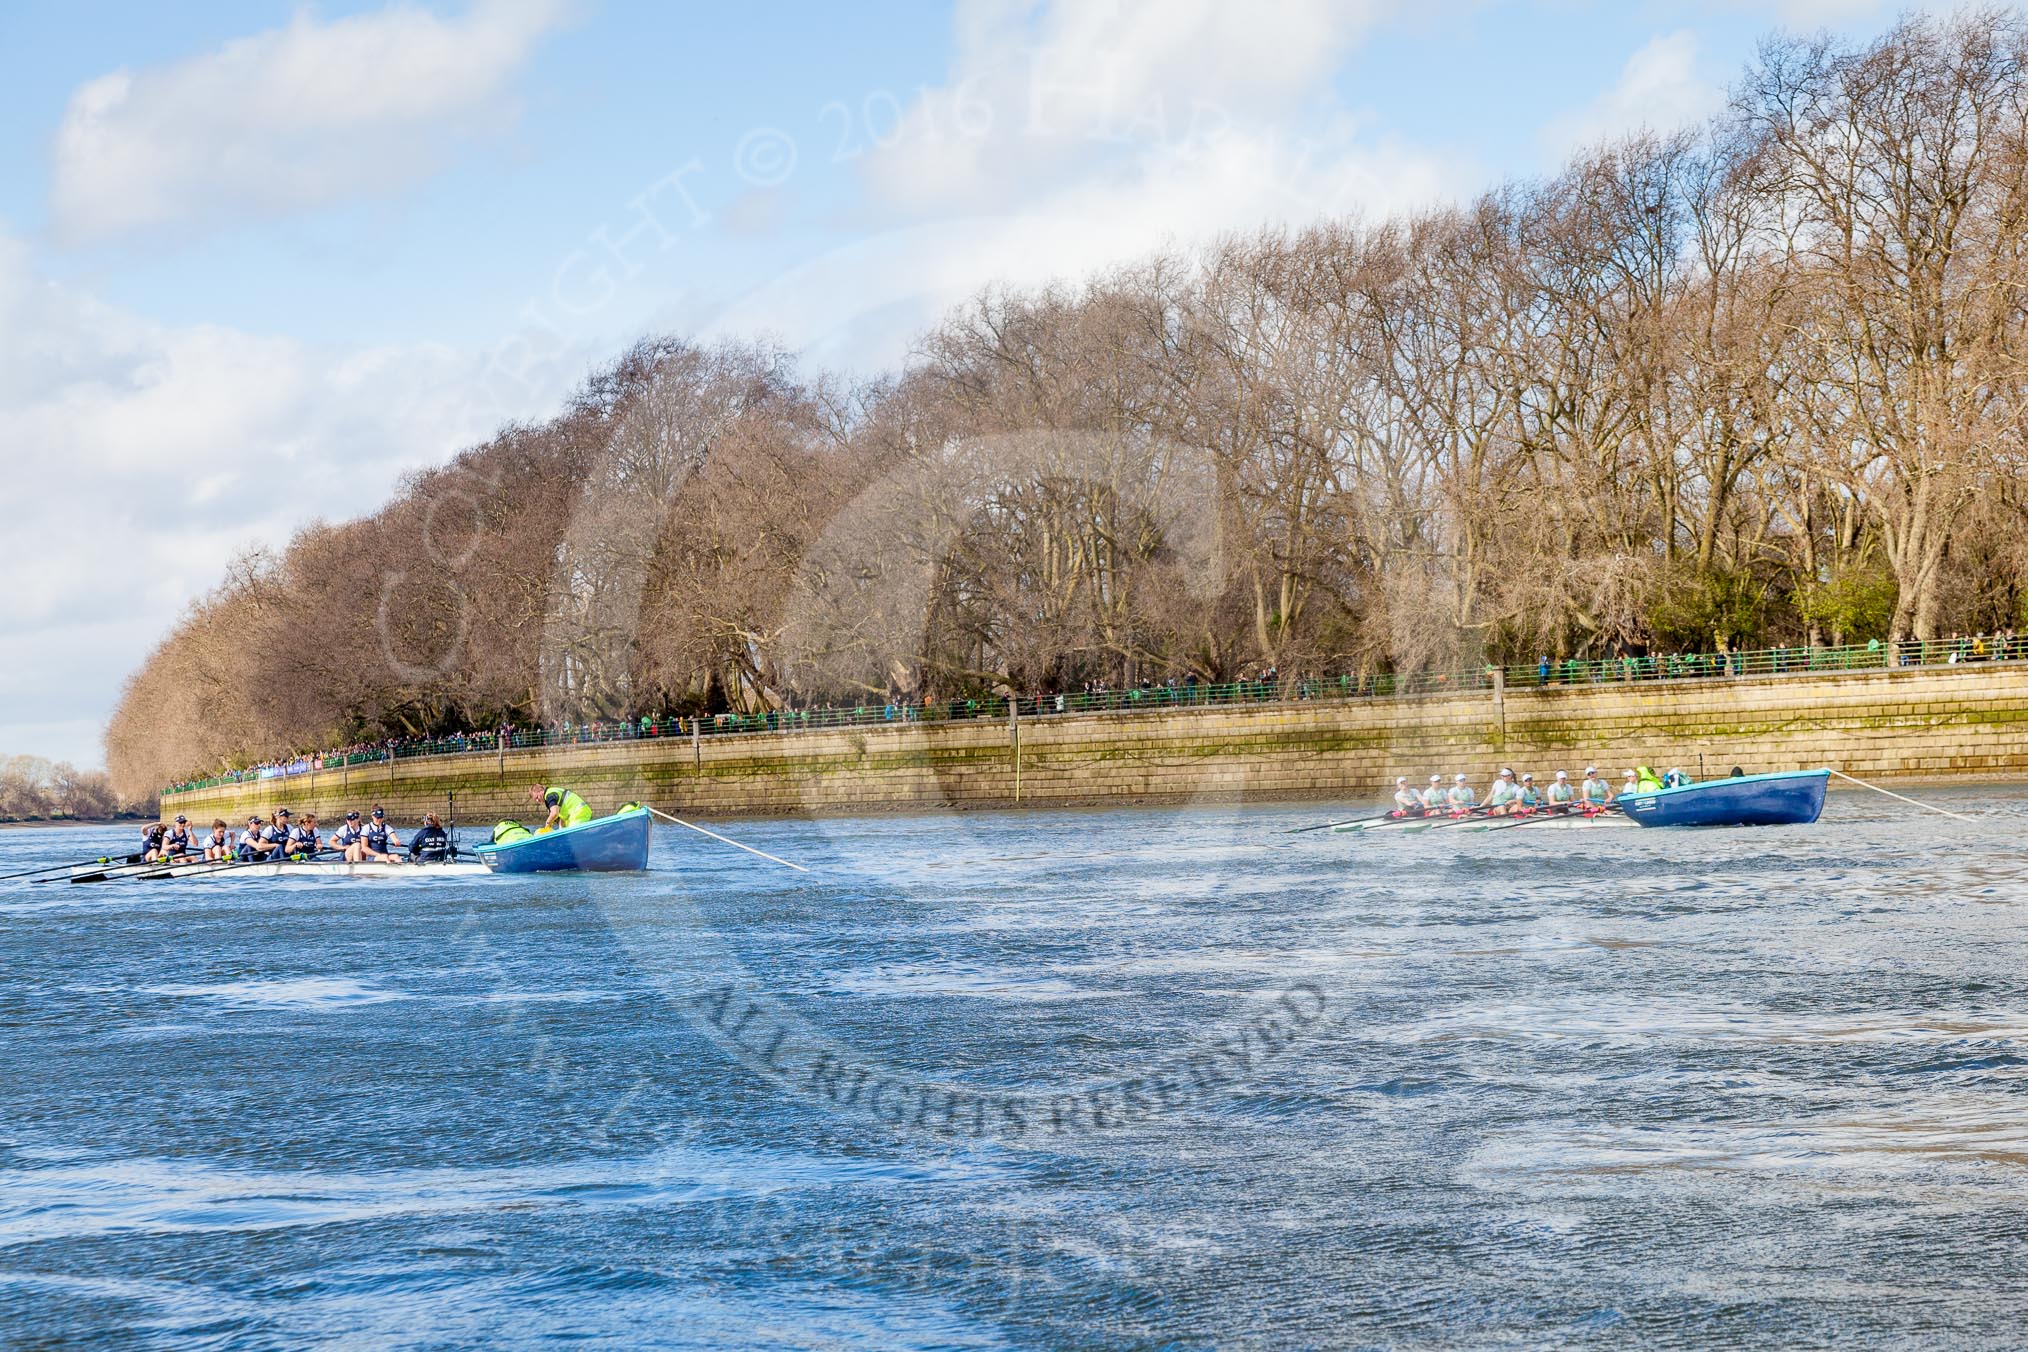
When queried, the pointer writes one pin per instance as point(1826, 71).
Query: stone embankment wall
point(1922, 723)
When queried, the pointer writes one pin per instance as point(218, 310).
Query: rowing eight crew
point(1511, 797)
point(371, 840)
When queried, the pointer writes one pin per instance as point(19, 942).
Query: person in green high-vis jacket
point(565, 807)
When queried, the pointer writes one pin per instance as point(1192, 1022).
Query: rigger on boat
point(571, 839)
point(284, 847)
point(1516, 801)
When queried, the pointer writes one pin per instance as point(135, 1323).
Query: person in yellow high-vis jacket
point(565, 807)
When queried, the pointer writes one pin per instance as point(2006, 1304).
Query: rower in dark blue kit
point(350, 839)
point(176, 841)
point(249, 840)
point(272, 841)
point(431, 843)
point(381, 842)
point(304, 840)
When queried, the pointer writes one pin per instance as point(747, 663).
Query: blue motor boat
point(615, 844)
point(1792, 798)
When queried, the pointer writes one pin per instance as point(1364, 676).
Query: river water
point(1049, 1080)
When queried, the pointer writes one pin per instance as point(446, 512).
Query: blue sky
point(256, 260)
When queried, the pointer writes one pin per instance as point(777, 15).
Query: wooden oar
point(1541, 816)
point(1390, 822)
point(728, 840)
point(228, 865)
point(65, 868)
point(1470, 815)
point(1927, 807)
point(122, 873)
point(110, 873)
point(1509, 825)
point(1332, 826)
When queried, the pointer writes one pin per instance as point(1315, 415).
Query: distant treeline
point(1753, 384)
point(33, 789)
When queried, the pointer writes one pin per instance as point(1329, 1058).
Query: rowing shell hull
point(1793, 798)
point(1410, 824)
point(1547, 822)
point(615, 844)
point(91, 873)
point(1386, 824)
point(306, 868)
point(1603, 821)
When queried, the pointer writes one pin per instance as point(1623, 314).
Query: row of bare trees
point(1758, 382)
point(34, 789)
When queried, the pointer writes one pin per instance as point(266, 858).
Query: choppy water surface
point(1041, 1080)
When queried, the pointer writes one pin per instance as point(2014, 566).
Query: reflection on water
point(305, 993)
point(1675, 1088)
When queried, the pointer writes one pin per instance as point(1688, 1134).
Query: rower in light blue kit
point(1433, 800)
point(1407, 802)
point(1561, 794)
point(1504, 797)
point(1531, 797)
point(1594, 792)
point(1460, 799)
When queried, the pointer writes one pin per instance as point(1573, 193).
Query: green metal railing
point(1189, 693)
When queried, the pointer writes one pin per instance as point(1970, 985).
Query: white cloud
point(1659, 89)
point(1070, 137)
point(140, 457)
point(860, 307)
point(290, 119)
point(1034, 89)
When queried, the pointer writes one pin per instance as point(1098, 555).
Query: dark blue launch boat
point(1792, 798)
